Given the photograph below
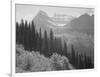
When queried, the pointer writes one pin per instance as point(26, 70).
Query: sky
point(28, 12)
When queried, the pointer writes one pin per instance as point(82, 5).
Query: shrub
point(33, 62)
point(60, 62)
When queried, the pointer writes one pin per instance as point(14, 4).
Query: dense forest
point(33, 40)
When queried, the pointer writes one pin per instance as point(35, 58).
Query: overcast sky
point(28, 12)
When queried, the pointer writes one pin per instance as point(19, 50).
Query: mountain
point(41, 20)
point(84, 24)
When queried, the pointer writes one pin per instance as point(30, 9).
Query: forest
point(47, 45)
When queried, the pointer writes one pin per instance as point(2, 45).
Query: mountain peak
point(85, 15)
point(42, 13)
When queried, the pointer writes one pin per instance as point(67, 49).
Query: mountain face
point(84, 24)
point(43, 21)
point(79, 31)
point(62, 18)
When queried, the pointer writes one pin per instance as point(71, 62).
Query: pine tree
point(33, 36)
point(40, 40)
point(21, 31)
point(45, 45)
point(17, 32)
point(51, 41)
point(72, 55)
point(65, 52)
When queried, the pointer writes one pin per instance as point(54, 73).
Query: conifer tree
point(65, 52)
point(45, 45)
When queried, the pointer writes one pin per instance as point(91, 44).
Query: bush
point(60, 62)
point(33, 62)
point(24, 61)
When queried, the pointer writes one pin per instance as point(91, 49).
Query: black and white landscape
point(52, 38)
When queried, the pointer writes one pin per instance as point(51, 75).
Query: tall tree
point(65, 52)
point(33, 36)
point(45, 45)
point(51, 41)
point(72, 55)
point(40, 40)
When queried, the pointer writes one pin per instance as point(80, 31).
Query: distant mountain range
point(77, 31)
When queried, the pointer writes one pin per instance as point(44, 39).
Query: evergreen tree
point(40, 40)
point(51, 41)
point(72, 55)
point(33, 36)
point(45, 45)
point(65, 52)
